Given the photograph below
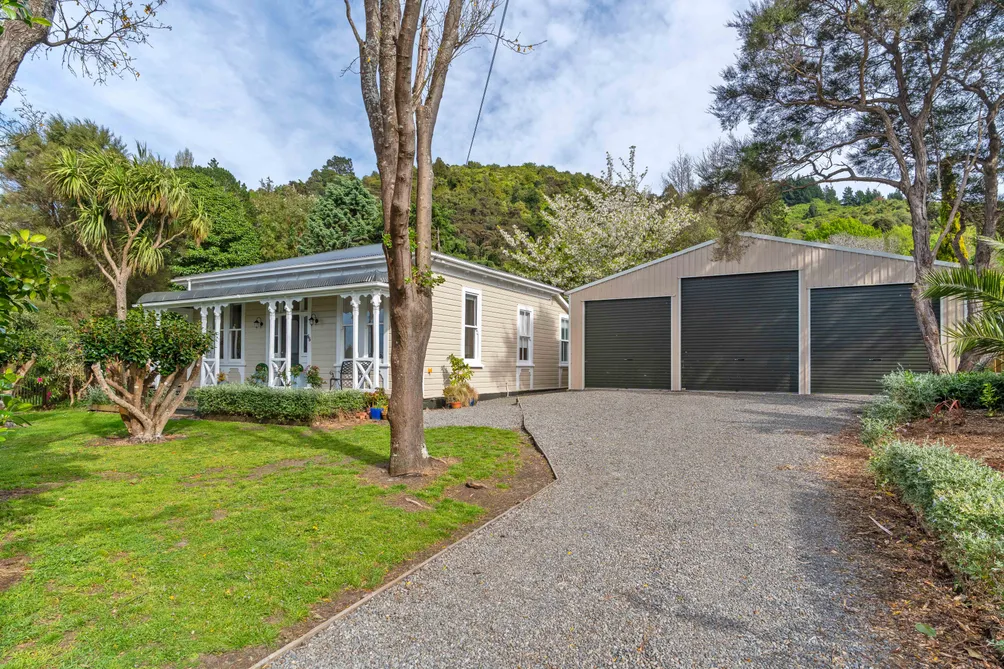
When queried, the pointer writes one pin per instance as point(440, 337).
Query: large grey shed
point(788, 316)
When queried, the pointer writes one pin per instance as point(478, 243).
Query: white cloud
point(262, 89)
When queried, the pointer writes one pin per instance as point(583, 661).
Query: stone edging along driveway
point(493, 416)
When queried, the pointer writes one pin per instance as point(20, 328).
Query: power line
point(491, 66)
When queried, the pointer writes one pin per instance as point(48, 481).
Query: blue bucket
point(376, 413)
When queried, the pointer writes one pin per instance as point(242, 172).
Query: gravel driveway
point(681, 532)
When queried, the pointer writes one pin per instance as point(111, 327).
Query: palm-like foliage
point(983, 331)
point(129, 211)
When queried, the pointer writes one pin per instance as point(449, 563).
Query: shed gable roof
point(768, 238)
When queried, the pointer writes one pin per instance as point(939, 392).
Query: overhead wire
point(491, 66)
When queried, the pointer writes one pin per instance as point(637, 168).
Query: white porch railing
point(210, 372)
point(279, 375)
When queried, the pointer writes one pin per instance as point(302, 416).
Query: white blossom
point(595, 233)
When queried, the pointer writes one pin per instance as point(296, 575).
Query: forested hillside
point(474, 206)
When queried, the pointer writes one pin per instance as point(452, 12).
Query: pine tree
point(346, 215)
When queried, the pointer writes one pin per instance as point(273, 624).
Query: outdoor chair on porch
point(343, 379)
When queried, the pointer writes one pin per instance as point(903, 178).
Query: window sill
point(474, 364)
point(524, 364)
point(562, 364)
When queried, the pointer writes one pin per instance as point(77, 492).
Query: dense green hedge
point(281, 405)
point(961, 502)
point(906, 395)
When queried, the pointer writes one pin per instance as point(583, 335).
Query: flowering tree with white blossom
point(602, 230)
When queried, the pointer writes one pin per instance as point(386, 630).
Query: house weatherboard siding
point(499, 312)
point(818, 266)
point(332, 283)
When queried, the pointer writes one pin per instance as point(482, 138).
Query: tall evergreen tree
point(345, 215)
point(233, 238)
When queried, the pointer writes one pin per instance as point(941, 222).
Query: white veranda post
point(375, 301)
point(203, 314)
point(217, 325)
point(355, 340)
point(287, 380)
point(270, 343)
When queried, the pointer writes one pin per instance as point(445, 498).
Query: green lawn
point(147, 555)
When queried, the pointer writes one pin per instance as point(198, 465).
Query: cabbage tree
point(130, 210)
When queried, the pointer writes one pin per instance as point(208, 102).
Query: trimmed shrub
point(960, 500)
point(875, 430)
point(331, 403)
point(280, 405)
point(907, 395)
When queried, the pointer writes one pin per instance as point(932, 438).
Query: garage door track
point(683, 530)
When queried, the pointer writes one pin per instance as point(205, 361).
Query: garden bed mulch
point(978, 437)
point(495, 496)
point(904, 571)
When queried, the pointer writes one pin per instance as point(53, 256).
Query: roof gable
point(767, 238)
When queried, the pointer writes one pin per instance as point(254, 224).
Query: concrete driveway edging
point(265, 662)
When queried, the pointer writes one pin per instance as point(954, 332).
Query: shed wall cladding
point(819, 267)
point(499, 309)
point(627, 343)
point(740, 332)
point(859, 333)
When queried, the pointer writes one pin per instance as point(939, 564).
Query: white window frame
point(478, 329)
point(227, 329)
point(564, 327)
point(529, 361)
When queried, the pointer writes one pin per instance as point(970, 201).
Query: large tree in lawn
point(844, 90)
point(92, 36)
point(405, 52)
point(146, 364)
point(130, 211)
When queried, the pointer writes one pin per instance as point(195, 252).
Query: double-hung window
point(472, 326)
point(525, 334)
point(235, 332)
point(564, 340)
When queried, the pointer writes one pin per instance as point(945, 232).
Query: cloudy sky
point(259, 85)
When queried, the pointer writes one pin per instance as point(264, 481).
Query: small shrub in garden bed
point(280, 405)
point(907, 395)
point(875, 430)
point(960, 500)
point(331, 403)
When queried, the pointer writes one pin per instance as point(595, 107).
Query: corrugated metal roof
point(265, 286)
point(354, 253)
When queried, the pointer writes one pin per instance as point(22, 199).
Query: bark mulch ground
point(902, 563)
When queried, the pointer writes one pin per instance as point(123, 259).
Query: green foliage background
point(233, 239)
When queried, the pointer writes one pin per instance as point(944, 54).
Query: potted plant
point(376, 403)
point(221, 378)
point(295, 371)
point(458, 391)
point(260, 376)
point(452, 395)
point(314, 377)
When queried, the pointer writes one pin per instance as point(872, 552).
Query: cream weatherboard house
point(330, 310)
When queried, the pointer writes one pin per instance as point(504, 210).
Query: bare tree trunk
point(18, 40)
point(924, 264)
point(121, 295)
point(402, 100)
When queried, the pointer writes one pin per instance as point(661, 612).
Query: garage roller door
point(860, 333)
point(740, 332)
point(628, 343)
